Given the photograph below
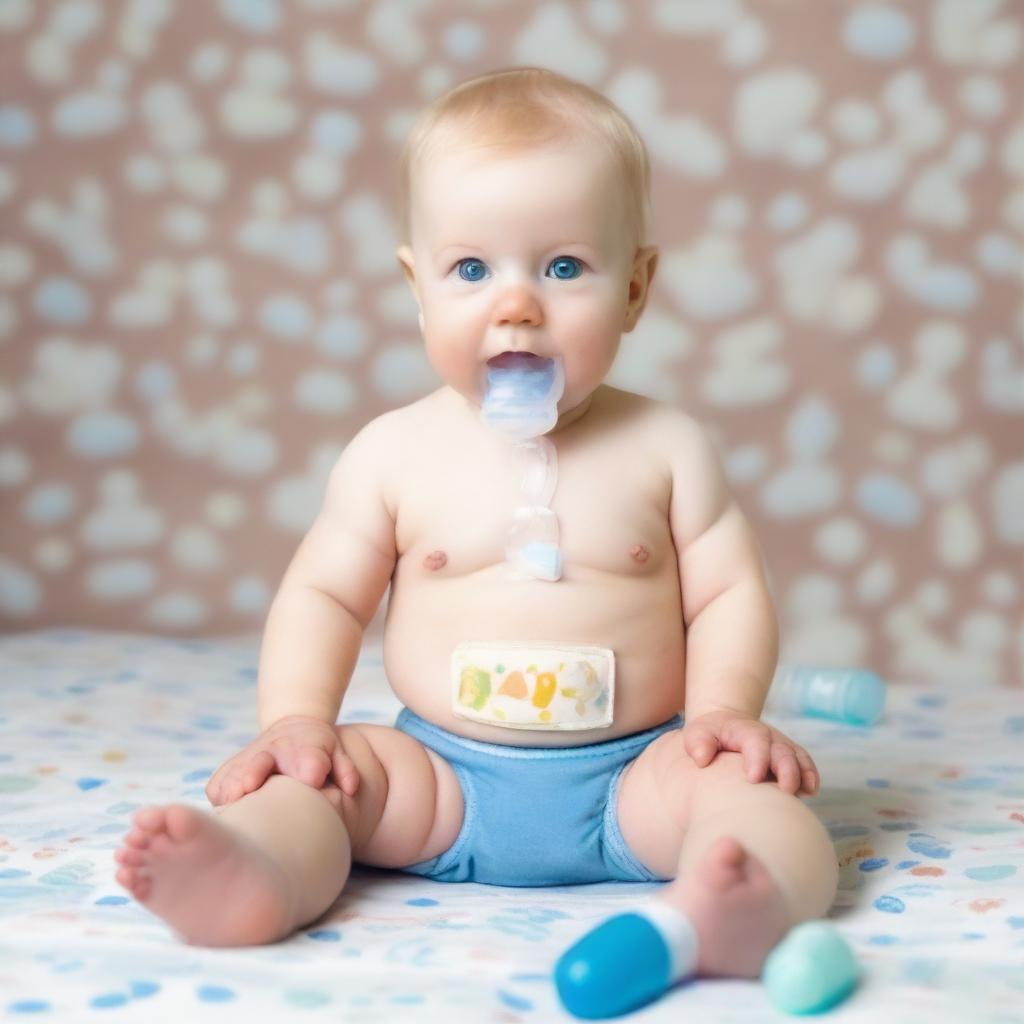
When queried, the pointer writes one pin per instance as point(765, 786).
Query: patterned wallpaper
point(200, 302)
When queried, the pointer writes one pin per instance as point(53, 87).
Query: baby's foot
point(212, 886)
point(736, 909)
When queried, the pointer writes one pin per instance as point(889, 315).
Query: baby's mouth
point(508, 360)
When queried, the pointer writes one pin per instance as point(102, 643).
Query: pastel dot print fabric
point(200, 302)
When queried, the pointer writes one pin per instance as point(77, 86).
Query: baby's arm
point(311, 641)
point(731, 627)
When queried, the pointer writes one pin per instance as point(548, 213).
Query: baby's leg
point(750, 861)
point(258, 868)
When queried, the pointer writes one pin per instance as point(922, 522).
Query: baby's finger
point(785, 767)
point(755, 744)
point(310, 765)
point(701, 744)
point(345, 772)
point(257, 771)
point(808, 771)
point(215, 784)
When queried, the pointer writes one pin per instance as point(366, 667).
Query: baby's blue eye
point(471, 269)
point(566, 268)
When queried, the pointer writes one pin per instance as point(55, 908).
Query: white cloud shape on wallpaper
point(954, 469)
point(391, 25)
point(293, 502)
point(774, 109)
point(645, 360)
point(62, 300)
point(197, 548)
point(121, 519)
point(68, 376)
point(935, 197)
point(800, 490)
point(811, 429)
point(254, 114)
point(219, 434)
point(15, 466)
point(173, 124)
point(250, 595)
point(868, 176)
point(286, 316)
point(367, 224)
point(841, 541)
point(79, 230)
point(814, 286)
point(786, 211)
point(708, 279)
point(121, 579)
point(401, 371)
point(20, 593)
point(958, 535)
point(683, 142)
point(104, 434)
point(257, 16)
point(919, 123)
point(84, 115)
point(922, 398)
point(982, 96)
point(855, 121)
point(337, 69)
point(325, 392)
point(178, 609)
point(745, 371)
point(695, 19)
point(50, 503)
point(971, 33)
point(878, 32)
point(1007, 498)
point(945, 286)
point(301, 244)
point(579, 56)
point(1003, 375)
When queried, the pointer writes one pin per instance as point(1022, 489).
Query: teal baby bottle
point(852, 695)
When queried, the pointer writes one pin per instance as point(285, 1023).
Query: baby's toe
point(130, 857)
point(149, 819)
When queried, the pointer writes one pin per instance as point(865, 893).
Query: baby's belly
point(639, 618)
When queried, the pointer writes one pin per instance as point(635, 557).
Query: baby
point(541, 741)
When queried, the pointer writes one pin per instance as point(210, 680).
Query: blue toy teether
point(627, 961)
point(811, 970)
point(632, 959)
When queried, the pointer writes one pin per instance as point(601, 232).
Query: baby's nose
point(518, 305)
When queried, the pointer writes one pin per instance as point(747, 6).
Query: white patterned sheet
point(926, 811)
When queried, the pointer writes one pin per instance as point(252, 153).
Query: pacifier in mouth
point(521, 394)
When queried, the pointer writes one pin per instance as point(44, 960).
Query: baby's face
point(526, 251)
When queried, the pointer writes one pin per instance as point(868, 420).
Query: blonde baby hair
point(522, 107)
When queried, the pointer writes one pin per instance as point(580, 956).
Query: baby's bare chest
point(611, 503)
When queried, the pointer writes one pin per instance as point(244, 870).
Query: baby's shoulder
point(663, 425)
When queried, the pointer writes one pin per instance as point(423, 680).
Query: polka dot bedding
point(926, 811)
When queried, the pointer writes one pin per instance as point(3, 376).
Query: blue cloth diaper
point(535, 815)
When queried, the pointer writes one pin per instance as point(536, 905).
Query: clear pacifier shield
point(521, 394)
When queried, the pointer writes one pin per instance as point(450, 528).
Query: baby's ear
point(404, 254)
point(645, 263)
point(407, 263)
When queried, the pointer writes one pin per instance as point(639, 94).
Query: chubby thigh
point(409, 804)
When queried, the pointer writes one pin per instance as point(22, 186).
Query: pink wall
point(200, 304)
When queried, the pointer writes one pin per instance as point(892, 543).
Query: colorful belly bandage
point(533, 685)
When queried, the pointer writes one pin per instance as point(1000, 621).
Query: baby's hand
point(304, 748)
point(762, 747)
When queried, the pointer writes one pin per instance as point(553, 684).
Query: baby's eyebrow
point(593, 250)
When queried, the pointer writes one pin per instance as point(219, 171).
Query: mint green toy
point(811, 970)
